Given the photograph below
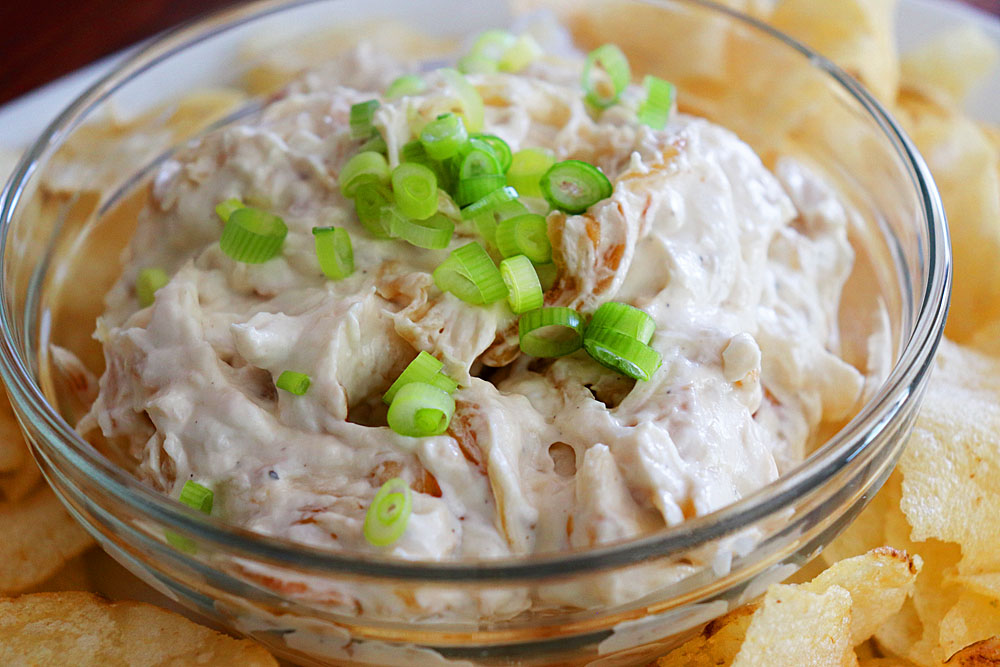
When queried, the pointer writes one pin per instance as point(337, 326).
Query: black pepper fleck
point(272, 474)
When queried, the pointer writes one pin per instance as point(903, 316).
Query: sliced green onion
point(252, 236)
point(527, 168)
point(550, 332)
point(520, 54)
point(489, 203)
point(334, 252)
point(420, 410)
point(470, 101)
point(414, 187)
point(547, 275)
point(478, 159)
point(525, 235)
point(444, 136)
point(625, 319)
point(362, 115)
point(365, 167)
point(501, 151)
point(661, 96)
point(293, 382)
point(407, 84)
point(434, 233)
point(413, 151)
point(524, 290)
point(476, 64)
point(574, 186)
point(197, 497)
point(147, 282)
point(425, 368)
point(387, 516)
point(376, 144)
point(471, 275)
point(226, 208)
point(615, 65)
point(621, 352)
point(474, 188)
point(493, 44)
point(369, 201)
point(486, 225)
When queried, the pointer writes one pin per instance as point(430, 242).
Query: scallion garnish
point(478, 158)
point(369, 201)
point(469, 99)
point(365, 167)
point(362, 115)
point(252, 236)
point(387, 516)
point(444, 136)
point(147, 282)
point(489, 203)
point(293, 382)
point(524, 290)
point(334, 252)
point(225, 209)
point(524, 51)
point(550, 332)
point(493, 44)
point(420, 410)
point(476, 64)
point(425, 368)
point(613, 62)
point(375, 144)
point(197, 497)
point(433, 233)
point(659, 103)
point(625, 319)
point(501, 151)
point(471, 275)
point(574, 186)
point(472, 189)
point(414, 188)
point(527, 168)
point(525, 235)
point(407, 84)
point(621, 352)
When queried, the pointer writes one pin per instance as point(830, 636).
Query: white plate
point(24, 118)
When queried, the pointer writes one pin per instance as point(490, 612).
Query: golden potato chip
point(717, 644)
point(981, 654)
point(83, 629)
point(885, 662)
point(39, 538)
point(966, 168)
point(795, 626)
point(867, 531)
point(986, 338)
point(973, 618)
point(952, 461)
point(950, 64)
point(855, 34)
point(878, 582)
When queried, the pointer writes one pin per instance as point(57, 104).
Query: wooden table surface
point(41, 40)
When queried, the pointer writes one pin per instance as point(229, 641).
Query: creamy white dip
point(740, 268)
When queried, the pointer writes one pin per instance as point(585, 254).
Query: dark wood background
point(41, 40)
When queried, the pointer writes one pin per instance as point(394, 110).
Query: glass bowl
point(63, 227)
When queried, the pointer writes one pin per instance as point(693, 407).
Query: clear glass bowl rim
point(848, 444)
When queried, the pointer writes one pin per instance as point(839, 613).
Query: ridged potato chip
point(981, 654)
point(83, 629)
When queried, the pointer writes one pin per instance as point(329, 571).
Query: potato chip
point(986, 338)
point(855, 34)
point(717, 644)
point(795, 626)
point(966, 168)
point(950, 64)
point(981, 654)
point(885, 662)
point(83, 629)
point(879, 582)
point(952, 462)
point(39, 538)
point(867, 532)
point(973, 618)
